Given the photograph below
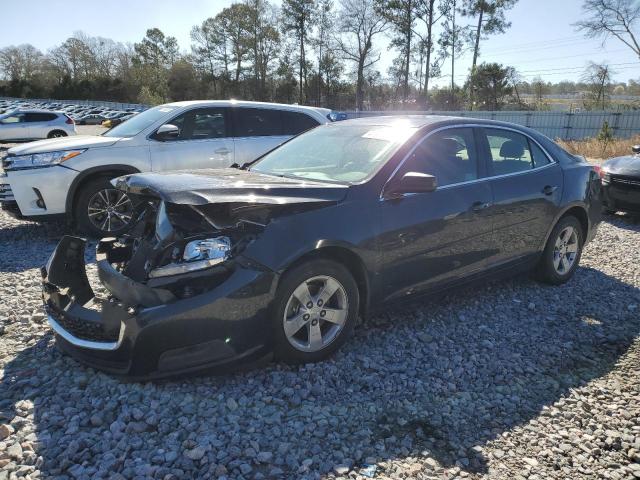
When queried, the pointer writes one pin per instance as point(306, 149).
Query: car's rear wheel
point(315, 310)
point(562, 253)
point(102, 210)
point(57, 134)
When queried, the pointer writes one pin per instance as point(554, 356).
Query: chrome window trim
point(477, 180)
point(78, 342)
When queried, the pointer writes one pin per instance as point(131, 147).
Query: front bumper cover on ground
point(142, 332)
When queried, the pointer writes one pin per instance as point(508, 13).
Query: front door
point(14, 127)
point(441, 236)
point(204, 141)
point(527, 189)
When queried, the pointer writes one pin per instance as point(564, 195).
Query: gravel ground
point(509, 380)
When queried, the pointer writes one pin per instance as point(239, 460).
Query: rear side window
point(540, 158)
point(449, 155)
point(510, 152)
point(257, 122)
point(40, 117)
point(294, 123)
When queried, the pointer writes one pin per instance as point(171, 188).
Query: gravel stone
point(507, 380)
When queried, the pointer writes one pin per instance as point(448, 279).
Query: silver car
point(35, 124)
point(70, 177)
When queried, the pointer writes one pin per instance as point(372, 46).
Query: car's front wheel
point(102, 210)
point(562, 253)
point(315, 310)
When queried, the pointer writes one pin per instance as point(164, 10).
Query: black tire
point(81, 209)
point(57, 134)
point(546, 271)
point(284, 350)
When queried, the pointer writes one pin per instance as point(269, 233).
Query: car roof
point(246, 103)
point(35, 110)
point(411, 121)
point(419, 121)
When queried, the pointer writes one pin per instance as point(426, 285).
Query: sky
point(541, 40)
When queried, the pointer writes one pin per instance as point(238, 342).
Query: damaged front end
point(175, 295)
point(179, 292)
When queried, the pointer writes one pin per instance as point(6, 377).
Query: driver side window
point(200, 124)
point(17, 118)
point(449, 155)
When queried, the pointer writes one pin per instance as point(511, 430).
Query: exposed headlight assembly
point(197, 255)
point(39, 160)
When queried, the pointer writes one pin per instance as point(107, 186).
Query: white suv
point(71, 177)
point(33, 124)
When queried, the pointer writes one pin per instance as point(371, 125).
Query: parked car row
point(81, 114)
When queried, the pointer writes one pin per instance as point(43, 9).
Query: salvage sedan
point(281, 256)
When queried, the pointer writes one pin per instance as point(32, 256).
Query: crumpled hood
point(228, 185)
point(64, 143)
point(628, 165)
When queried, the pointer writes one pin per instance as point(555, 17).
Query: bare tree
point(359, 23)
point(611, 18)
point(20, 62)
point(598, 78)
point(297, 18)
point(430, 14)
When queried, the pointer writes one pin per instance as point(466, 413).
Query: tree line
point(315, 52)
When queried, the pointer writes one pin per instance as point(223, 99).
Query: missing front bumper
point(143, 332)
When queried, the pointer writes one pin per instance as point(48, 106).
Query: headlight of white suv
point(38, 160)
point(197, 255)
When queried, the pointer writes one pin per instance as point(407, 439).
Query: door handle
point(549, 189)
point(222, 151)
point(479, 206)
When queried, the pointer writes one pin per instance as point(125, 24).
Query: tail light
point(69, 120)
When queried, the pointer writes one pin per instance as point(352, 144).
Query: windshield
point(336, 152)
point(139, 122)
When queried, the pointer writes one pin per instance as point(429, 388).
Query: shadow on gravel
point(440, 380)
point(30, 244)
point(627, 221)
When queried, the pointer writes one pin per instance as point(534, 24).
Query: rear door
point(527, 189)
point(440, 236)
point(256, 131)
point(38, 123)
point(204, 142)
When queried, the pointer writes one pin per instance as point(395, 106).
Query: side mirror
point(167, 132)
point(412, 182)
point(635, 149)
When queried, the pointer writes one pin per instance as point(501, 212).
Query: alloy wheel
point(110, 210)
point(315, 314)
point(565, 250)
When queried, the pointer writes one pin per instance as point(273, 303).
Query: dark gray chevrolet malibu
point(280, 256)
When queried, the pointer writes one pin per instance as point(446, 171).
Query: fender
point(85, 174)
point(564, 210)
point(348, 255)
